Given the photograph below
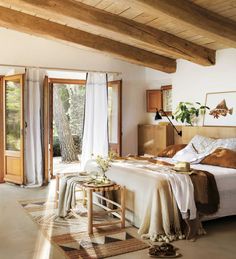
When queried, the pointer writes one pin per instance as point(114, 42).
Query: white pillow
point(201, 143)
point(187, 154)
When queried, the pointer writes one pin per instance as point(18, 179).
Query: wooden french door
point(114, 120)
point(115, 116)
point(1, 132)
point(13, 120)
point(47, 128)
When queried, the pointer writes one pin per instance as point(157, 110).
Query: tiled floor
point(20, 238)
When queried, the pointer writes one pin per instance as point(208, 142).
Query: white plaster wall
point(22, 49)
point(191, 82)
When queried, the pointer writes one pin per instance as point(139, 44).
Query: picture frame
point(222, 109)
point(167, 99)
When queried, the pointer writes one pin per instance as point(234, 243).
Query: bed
point(226, 183)
point(225, 177)
point(141, 181)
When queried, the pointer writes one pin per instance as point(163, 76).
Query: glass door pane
point(113, 107)
point(114, 116)
point(68, 105)
point(13, 115)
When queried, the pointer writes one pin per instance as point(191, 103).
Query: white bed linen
point(226, 183)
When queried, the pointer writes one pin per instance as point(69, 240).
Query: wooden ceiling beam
point(205, 22)
point(112, 26)
point(43, 28)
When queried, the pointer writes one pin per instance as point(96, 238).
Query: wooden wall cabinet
point(154, 138)
point(154, 100)
point(160, 99)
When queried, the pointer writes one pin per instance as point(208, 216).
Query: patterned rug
point(70, 234)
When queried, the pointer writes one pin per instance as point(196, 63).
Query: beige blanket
point(67, 195)
point(150, 204)
point(161, 219)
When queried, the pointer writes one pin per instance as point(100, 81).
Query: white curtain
point(95, 137)
point(33, 144)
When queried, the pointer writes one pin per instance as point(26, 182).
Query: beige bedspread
point(161, 220)
point(150, 203)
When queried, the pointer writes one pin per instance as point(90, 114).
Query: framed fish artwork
point(222, 110)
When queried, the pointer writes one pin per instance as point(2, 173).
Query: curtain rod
point(60, 69)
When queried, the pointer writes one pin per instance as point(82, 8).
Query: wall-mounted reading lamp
point(158, 117)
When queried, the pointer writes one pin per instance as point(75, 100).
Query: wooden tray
point(165, 256)
point(98, 185)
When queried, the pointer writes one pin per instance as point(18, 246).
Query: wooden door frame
point(48, 121)
point(46, 101)
point(1, 132)
point(22, 126)
point(119, 137)
point(66, 81)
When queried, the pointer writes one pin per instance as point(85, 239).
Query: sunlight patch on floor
point(60, 167)
point(43, 247)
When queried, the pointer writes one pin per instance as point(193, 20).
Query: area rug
point(70, 234)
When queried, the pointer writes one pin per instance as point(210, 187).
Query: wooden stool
point(92, 191)
point(120, 207)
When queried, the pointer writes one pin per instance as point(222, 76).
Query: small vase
point(105, 178)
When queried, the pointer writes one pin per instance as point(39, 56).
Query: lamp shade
point(157, 116)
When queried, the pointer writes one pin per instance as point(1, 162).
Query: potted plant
point(187, 112)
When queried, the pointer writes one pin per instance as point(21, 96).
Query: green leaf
point(187, 111)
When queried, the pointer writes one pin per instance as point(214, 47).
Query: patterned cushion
point(229, 143)
point(201, 143)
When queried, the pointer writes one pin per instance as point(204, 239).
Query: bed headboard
point(212, 132)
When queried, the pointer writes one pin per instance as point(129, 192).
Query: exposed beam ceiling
point(40, 27)
point(207, 23)
point(87, 18)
